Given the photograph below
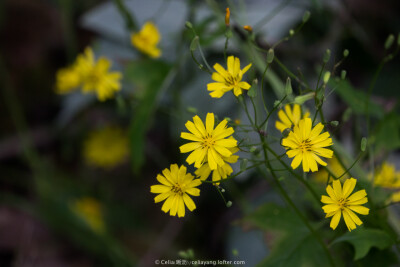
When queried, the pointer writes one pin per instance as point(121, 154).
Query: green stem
point(128, 17)
point(290, 202)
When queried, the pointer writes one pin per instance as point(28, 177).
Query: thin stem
point(262, 88)
point(352, 165)
point(129, 19)
point(269, 114)
point(236, 174)
point(290, 202)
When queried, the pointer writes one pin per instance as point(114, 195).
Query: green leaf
point(295, 245)
point(148, 76)
point(363, 239)
point(387, 132)
point(356, 99)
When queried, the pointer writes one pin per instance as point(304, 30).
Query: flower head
point(290, 117)
point(106, 148)
point(89, 210)
point(95, 75)
point(387, 176)
point(210, 144)
point(221, 172)
point(146, 40)
point(341, 202)
point(229, 79)
point(176, 186)
point(307, 144)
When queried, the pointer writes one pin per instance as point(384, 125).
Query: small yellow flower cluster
point(106, 148)
point(212, 150)
point(388, 177)
point(90, 75)
point(147, 39)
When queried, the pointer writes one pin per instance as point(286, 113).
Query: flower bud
point(343, 74)
point(227, 16)
point(306, 16)
point(248, 28)
point(363, 144)
point(189, 25)
point(346, 53)
point(389, 41)
point(288, 87)
point(229, 204)
point(327, 55)
point(270, 56)
point(194, 44)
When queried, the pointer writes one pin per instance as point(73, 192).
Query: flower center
point(208, 141)
point(342, 203)
point(177, 189)
point(305, 145)
point(94, 76)
point(231, 80)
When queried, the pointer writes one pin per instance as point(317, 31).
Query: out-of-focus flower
point(89, 210)
point(176, 186)
point(289, 117)
point(67, 80)
point(341, 202)
point(335, 167)
point(147, 39)
point(106, 148)
point(91, 75)
point(221, 172)
point(208, 144)
point(387, 176)
point(96, 77)
point(229, 79)
point(307, 144)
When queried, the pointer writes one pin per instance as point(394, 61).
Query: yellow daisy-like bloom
point(335, 167)
point(67, 80)
point(96, 77)
point(229, 79)
point(147, 39)
point(387, 176)
point(341, 202)
point(290, 117)
point(306, 144)
point(89, 210)
point(221, 172)
point(176, 186)
point(209, 144)
point(106, 148)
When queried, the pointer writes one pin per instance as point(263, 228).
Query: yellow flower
point(306, 145)
point(395, 197)
point(387, 176)
point(175, 186)
point(89, 210)
point(209, 144)
point(96, 77)
point(341, 202)
point(229, 79)
point(106, 147)
point(290, 117)
point(221, 172)
point(147, 39)
point(67, 80)
point(335, 167)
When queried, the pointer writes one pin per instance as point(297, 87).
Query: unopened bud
point(227, 119)
point(227, 16)
point(253, 89)
point(194, 44)
point(327, 76)
point(291, 32)
point(248, 28)
point(189, 25)
point(270, 56)
point(346, 53)
point(222, 190)
point(229, 204)
point(327, 55)
point(243, 164)
point(334, 123)
point(253, 149)
point(192, 110)
point(306, 16)
point(363, 144)
point(288, 87)
point(343, 74)
point(389, 41)
point(303, 98)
